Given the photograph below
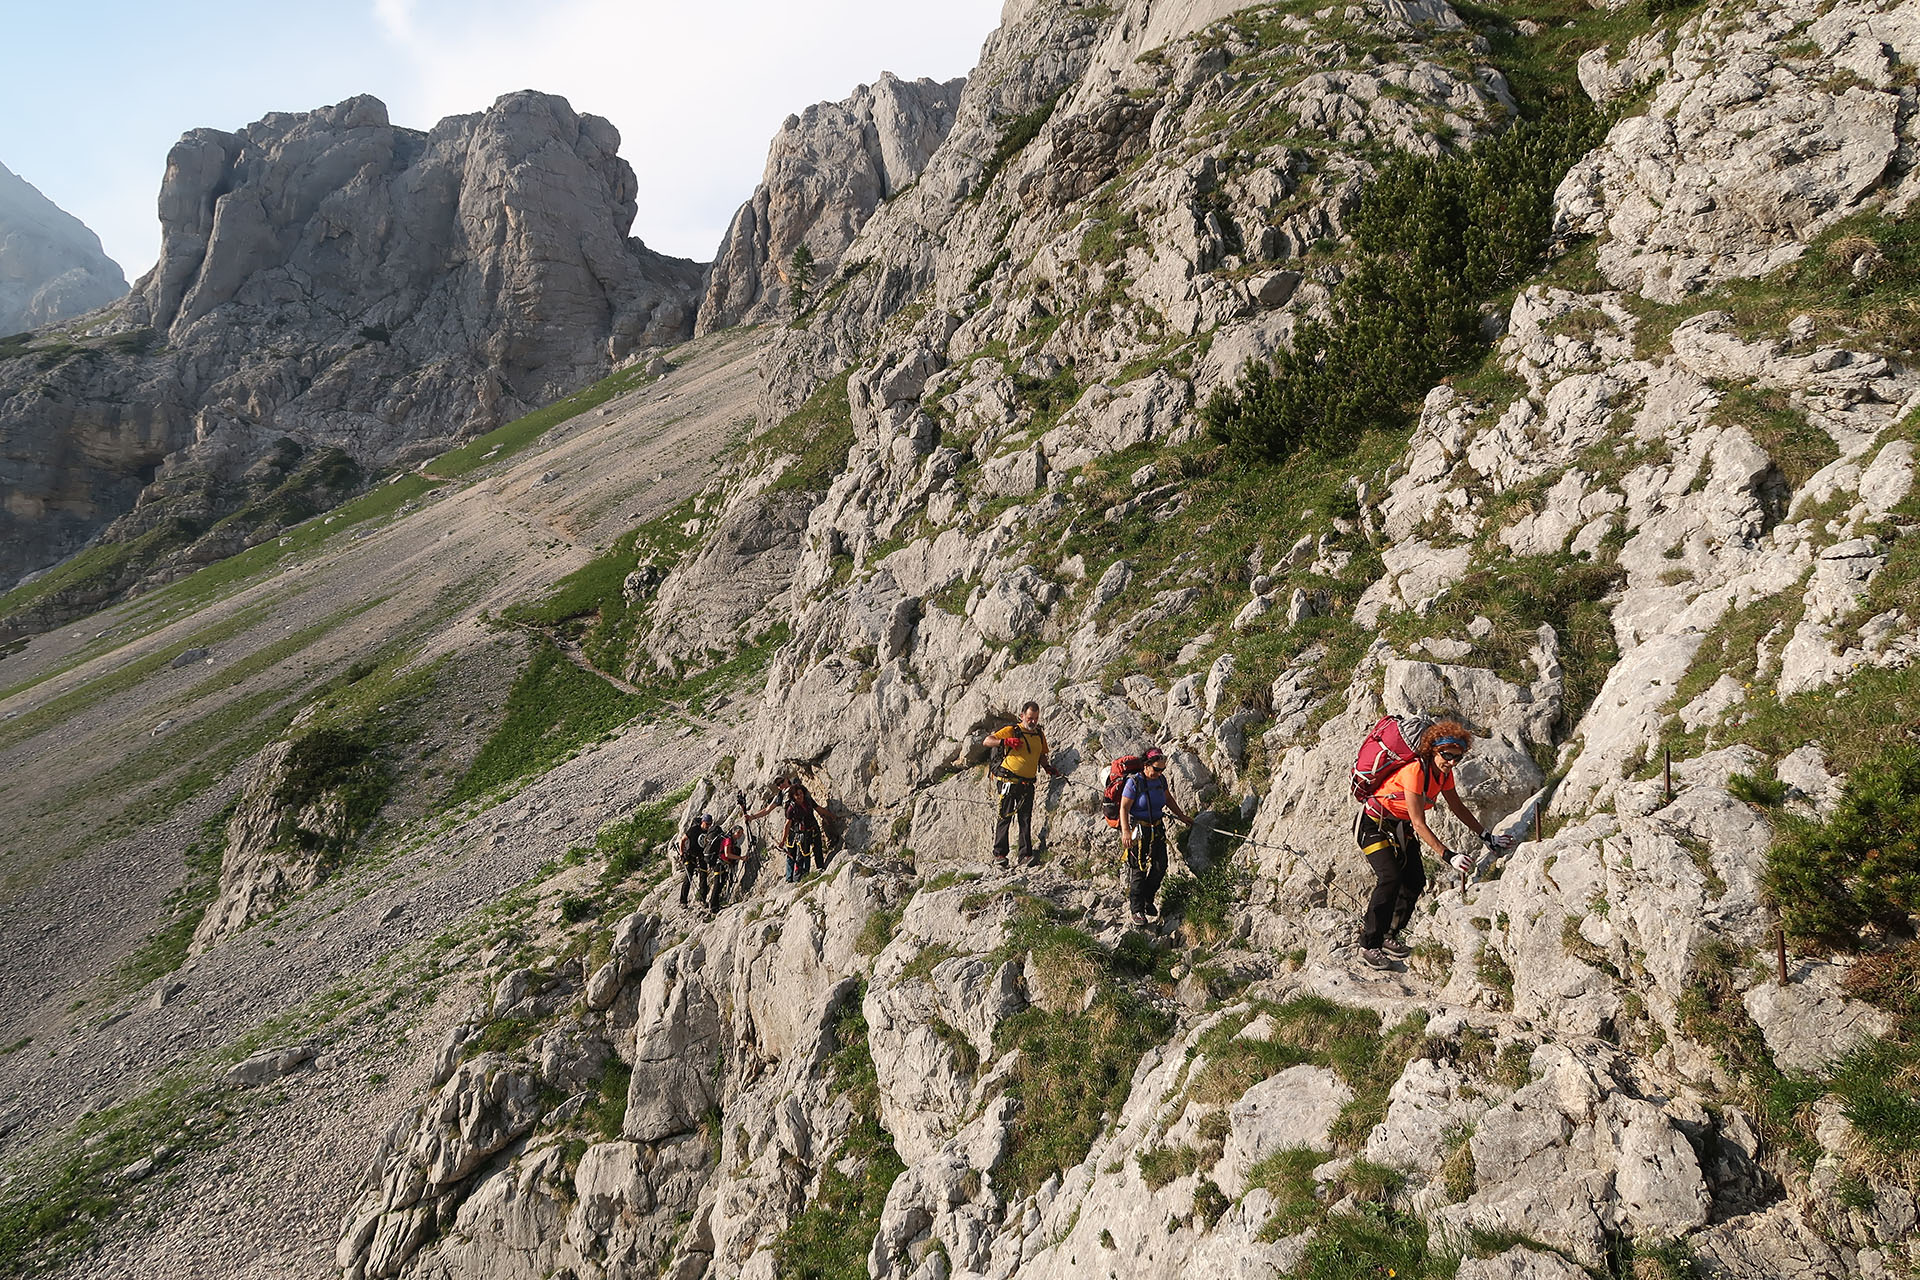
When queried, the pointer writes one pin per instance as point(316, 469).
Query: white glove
point(1497, 842)
point(1461, 862)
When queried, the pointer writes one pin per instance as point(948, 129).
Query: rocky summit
point(1221, 379)
point(51, 266)
point(335, 296)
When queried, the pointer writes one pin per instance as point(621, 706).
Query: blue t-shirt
point(1149, 797)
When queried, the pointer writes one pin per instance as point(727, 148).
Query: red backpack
point(1117, 774)
point(1387, 746)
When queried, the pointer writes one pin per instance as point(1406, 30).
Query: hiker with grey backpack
point(1404, 765)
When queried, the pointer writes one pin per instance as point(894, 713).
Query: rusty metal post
point(1780, 941)
point(1539, 824)
point(1669, 775)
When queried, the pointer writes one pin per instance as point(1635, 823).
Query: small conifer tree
point(800, 277)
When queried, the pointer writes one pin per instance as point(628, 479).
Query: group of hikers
point(1403, 769)
point(717, 857)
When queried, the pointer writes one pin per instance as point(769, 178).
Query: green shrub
point(1433, 238)
point(1860, 869)
point(1760, 789)
point(553, 708)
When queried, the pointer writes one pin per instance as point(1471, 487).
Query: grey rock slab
point(268, 1065)
point(1295, 1108)
point(1811, 1021)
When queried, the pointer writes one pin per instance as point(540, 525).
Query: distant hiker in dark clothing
point(1024, 754)
point(694, 854)
point(1392, 828)
point(1145, 802)
point(803, 837)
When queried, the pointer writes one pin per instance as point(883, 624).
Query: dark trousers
point(1146, 865)
point(722, 881)
point(1399, 876)
point(1016, 801)
point(804, 844)
point(686, 881)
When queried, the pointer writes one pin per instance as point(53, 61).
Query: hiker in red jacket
point(1392, 829)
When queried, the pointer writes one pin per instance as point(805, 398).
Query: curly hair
point(1443, 729)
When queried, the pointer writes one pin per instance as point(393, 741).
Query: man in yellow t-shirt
point(1016, 772)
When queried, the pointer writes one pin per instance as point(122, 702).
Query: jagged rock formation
point(333, 281)
point(51, 266)
point(1637, 526)
point(1563, 1092)
point(304, 801)
point(828, 169)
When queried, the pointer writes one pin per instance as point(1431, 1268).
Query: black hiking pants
point(690, 870)
point(1399, 876)
point(1016, 802)
point(1146, 865)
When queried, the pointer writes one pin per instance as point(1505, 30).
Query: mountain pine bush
point(1860, 869)
point(1432, 239)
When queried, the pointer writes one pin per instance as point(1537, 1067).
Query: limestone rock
point(51, 266)
point(268, 1065)
point(828, 169)
point(1811, 1021)
point(1742, 156)
point(1295, 1108)
point(418, 287)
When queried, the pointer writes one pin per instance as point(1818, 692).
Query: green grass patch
point(1797, 447)
point(623, 843)
point(1014, 138)
point(1075, 1065)
point(553, 709)
point(66, 1190)
point(819, 435)
point(1315, 1030)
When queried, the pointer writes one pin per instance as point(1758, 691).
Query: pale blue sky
point(92, 94)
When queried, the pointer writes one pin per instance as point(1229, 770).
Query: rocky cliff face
point(333, 282)
point(1662, 506)
point(1103, 241)
point(828, 169)
point(51, 266)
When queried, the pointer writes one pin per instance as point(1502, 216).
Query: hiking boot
point(1396, 948)
point(1139, 919)
point(1000, 863)
point(1375, 958)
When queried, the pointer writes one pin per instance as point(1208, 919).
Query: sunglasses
point(1452, 757)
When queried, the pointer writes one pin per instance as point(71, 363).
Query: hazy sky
point(94, 92)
